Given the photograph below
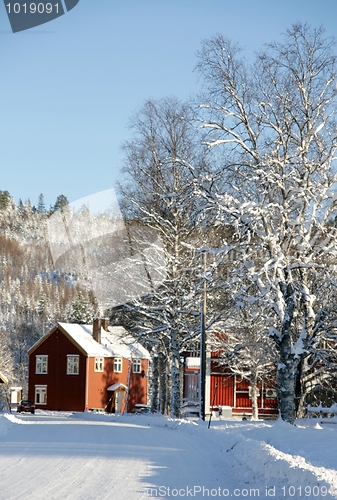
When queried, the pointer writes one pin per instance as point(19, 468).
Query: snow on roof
point(114, 387)
point(120, 342)
point(82, 335)
point(116, 342)
point(3, 379)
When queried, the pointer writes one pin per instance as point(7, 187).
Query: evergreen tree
point(41, 207)
point(5, 199)
point(81, 310)
point(61, 201)
point(21, 207)
point(6, 367)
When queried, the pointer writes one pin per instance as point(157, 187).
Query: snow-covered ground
point(94, 456)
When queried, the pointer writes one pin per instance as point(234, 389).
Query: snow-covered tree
point(61, 202)
point(316, 379)
point(81, 310)
point(275, 124)
point(6, 367)
point(5, 199)
point(41, 207)
point(158, 193)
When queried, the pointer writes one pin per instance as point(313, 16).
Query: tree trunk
point(162, 383)
point(254, 396)
point(175, 377)
point(286, 378)
point(155, 383)
point(304, 386)
point(287, 367)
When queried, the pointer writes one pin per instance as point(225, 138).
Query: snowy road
point(94, 457)
point(64, 457)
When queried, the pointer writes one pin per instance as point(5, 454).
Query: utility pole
point(203, 343)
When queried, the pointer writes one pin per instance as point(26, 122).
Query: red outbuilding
point(81, 367)
point(224, 390)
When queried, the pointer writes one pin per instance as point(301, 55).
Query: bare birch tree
point(158, 192)
point(275, 124)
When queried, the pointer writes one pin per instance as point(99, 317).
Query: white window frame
point(118, 365)
point(41, 390)
point(73, 361)
point(137, 366)
point(99, 364)
point(41, 364)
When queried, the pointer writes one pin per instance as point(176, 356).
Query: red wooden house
point(82, 367)
point(225, 389)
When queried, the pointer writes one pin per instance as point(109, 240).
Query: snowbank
point(277, 459)
point(5, 424)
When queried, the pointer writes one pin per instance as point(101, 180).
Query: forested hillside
point(33, 296)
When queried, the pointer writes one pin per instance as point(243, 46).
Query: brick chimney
point(96, 330)
point(105, 324)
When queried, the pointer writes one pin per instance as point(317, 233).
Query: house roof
point(115, 387)
point(3, 379)
point(116, 342)
point(82, 335)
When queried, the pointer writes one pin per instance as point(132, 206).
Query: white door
point(119, 397)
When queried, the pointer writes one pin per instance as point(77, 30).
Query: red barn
point(81, 367)
point(225, 389)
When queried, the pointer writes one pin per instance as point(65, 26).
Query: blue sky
point(69, 87)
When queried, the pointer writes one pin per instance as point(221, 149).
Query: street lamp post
point(203, 343)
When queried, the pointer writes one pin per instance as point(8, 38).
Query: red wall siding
point(64, 392)
point(98, 382)
point(228, 385)
point(98, 396)
point(138, 387)
point(225, 390)
point(242, 394)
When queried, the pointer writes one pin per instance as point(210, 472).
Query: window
point(136, 366)
point(72, 365)
point(118, 365)
point(98, 364)
point(41, 364)
point(41, 394)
